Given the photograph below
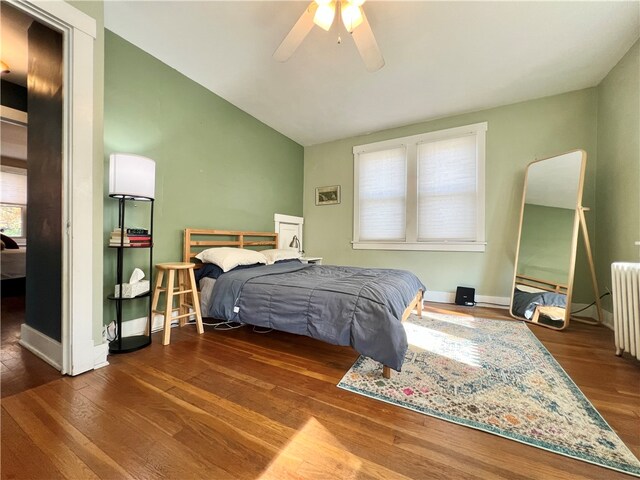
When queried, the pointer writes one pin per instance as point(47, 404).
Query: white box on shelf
point(130, 290)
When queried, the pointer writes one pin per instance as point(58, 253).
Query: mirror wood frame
point(577, 220)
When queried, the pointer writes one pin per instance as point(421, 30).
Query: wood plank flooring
point(244, 405)
point(19, 368)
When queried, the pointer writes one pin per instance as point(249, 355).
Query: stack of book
point(133, 237)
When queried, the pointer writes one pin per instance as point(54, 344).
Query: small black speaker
point(466, 296)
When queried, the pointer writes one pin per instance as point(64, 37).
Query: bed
point(359, 307)
point(539, 301)
point(13, 263)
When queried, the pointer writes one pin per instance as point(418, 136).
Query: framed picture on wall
point(328, 195)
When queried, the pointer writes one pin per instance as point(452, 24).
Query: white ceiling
point(442, 58)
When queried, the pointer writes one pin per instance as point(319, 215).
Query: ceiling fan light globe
point(324, 16)
point(322, 2)
point(351, 16)
point(357, 3)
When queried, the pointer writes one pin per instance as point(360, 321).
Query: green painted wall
point(545, 243)
point(517, 135)
point(216, 166)
point(618, 171)
point(95, 9)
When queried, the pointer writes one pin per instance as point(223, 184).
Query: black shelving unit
point(129, 344)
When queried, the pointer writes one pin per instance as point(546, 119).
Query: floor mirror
point(550, 219)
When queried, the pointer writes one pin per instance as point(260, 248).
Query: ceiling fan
point(322, 13)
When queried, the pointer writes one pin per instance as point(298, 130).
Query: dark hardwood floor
point(20, 369)
point(239, 404)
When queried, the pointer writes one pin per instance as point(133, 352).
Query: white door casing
point(79, 33)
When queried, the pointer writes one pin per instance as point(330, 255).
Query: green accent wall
point(517, 135)
point(618, 170)
point(216, 166)
point(545, 243)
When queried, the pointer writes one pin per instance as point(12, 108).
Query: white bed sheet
point(206, 290)
point(13, 263)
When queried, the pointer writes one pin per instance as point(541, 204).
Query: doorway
point(74, 352)
point(31, 196)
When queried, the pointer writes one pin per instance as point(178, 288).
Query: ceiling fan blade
point(367, 45)
point(297, 34)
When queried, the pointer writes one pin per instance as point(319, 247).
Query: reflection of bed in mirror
point(539, 301)
point(550, 218)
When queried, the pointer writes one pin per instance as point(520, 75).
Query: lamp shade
point(324, 16)
point(295, 243)
point(132, 175)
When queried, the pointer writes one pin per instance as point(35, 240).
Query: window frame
point(21, 240)
point(410, 143)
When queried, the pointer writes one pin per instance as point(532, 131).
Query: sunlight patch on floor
point(432, 310)
point(456, 348)
point(313, 452)
point(468, 321)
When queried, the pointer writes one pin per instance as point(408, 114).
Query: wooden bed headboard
point(541, 284)
point(197, 239)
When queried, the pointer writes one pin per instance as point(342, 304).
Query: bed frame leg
point(420, 301)
point(386, 371)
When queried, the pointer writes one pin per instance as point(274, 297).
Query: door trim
point(79, 32)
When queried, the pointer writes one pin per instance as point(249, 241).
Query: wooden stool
point(186, 285)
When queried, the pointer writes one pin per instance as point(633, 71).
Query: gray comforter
point(360, 307)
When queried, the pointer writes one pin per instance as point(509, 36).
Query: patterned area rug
point(494, 376)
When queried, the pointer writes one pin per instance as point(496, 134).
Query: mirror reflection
point(545, 259)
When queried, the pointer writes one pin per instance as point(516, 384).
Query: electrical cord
point(592, 303)
point(220, 325)
point(223, 326)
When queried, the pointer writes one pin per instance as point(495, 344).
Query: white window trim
point(410, 143)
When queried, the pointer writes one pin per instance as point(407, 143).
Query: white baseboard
point(137, 326)
point(450, 297)
point(41, 345)
point(592, 312)
point(100, 353)
point(504, 302)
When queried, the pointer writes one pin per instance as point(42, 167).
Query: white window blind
point(383, 195)
point(13, 186)
point(422, 192)
point(447, 190)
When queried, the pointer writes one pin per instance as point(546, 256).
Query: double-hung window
point(423, 192)
point(13, 202)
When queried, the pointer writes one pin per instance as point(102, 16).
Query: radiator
point(625, 278)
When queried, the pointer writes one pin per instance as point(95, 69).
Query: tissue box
point(130, 290)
